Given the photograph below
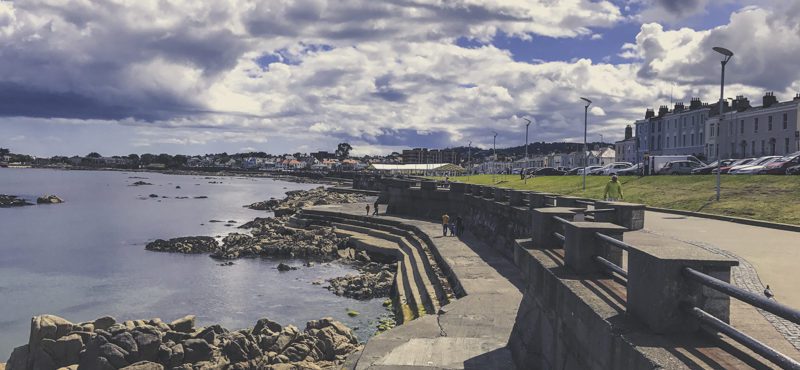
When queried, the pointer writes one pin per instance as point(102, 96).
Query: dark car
point(795, 170)
point(548, 171)
point(705, 170)
point(678, 168)
point(739, 162)
point(779, 166)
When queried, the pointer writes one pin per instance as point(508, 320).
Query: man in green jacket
point(613, 190)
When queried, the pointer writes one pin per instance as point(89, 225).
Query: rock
point(140, 183)
point(201, 197)
point(266, 327)
point(178, 187)
point(104, 322)
point(188, 245)
point(176, 356)
point(47, 327)
point(114, 354)
point(125, 341)
point(49, 199)
point(196, 350)
point(153, 195)
point(18, 359)
point(284, 267)
point(148, 341)
point(144, 365)
point(184, 324)
point(229, 263)
point(12, 201)
point(65, 351)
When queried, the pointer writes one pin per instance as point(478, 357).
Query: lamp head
point(588, 102)
point(529, 121)
point(723, 51)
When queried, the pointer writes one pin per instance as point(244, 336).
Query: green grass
point(768, 198)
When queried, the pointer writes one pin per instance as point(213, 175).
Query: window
point(712, 130)
point(769, 123)
point(755, 127)
point(701, 138)
point(733, 149)
point(786, 144)
point(684, 139)
point(763, 151)
point(730, 128)
point(659, 126)
point(753, 147)
point(741, 128)
point(785, 122)
point(692, 139)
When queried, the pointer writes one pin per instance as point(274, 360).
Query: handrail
point(587, 202)
point(561, 220)
point(601, 210)
point(617, 243)
point(756, 300)
point(753, 344)
point(611, 266)
point(560, 237)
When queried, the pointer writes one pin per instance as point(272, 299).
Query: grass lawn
point(769, 198)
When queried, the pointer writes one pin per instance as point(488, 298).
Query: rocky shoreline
point(7, 201)
point(56, 343)
point(298, 199)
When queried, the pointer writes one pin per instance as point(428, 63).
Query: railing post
point(630, 215)
point(657, 287)
point(581, 245)
point(543, 225)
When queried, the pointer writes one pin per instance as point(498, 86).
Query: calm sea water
point(85, 258)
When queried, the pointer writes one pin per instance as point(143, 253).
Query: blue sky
point(305, 75)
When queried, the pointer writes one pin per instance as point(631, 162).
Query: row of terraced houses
point(741, 131)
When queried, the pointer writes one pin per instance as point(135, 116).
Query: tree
point(5, 151)
point(343, 150)
point(94, 155)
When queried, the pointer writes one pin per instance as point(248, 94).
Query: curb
point(738, 220)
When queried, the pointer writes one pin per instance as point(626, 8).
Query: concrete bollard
point(570, 201)
point(543, 225)
point(500, 194)
point(581, 245)
point(605, 215)
point(457, 187)
point(428, 185)
point(538, 200)
point(488, 192)
point(657, 288)
point(468, 188)
point(630, 215)
point(515, 198)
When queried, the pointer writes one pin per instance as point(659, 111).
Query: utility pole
point(585, 147)
point(728, 55)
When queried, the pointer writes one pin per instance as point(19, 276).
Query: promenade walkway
point(766, 256)
point(468, 333)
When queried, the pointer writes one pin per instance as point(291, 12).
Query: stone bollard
point(457, 187)
point(538, 200)
point(428, 185)
point(570, 201)
point(604, 215)
point(488, 192)
point(657, 288)
point(468, 188)
point(581, 245)
point(500, 194)
point(515, 198)
point(630, 215)
point(543, 225)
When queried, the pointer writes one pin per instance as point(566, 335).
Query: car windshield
point(742, 161)
point(764, 160)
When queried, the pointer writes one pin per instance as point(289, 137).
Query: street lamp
point(524, 175)
point(494, 156)
point(469, 159)
point(728, 55)
point(585, 147)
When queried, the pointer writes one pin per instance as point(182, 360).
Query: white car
point(589, 170)
point(613, 168)
point(753, 167)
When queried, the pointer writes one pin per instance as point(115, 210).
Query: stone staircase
point(420, 286)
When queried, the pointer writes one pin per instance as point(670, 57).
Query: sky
point(279, 76)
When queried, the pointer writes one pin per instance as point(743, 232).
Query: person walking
point(613, 191)
point(375, 209)
point(367, 209)
point(445, 224)
point(459, 226)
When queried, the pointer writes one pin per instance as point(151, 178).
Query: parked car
point(589, 170)
point(780, 165)
point(705, 170)
point(753, 167)
point(548, 171)
point(630, 171)
point(794, 170)
point(613, 168)
point(573, 171)
point(738, 164)
point(678, 168)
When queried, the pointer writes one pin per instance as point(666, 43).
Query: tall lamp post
point(469, 159)
point(525, 175)
point(585, 147)
point(494, 155)
point(728, 55)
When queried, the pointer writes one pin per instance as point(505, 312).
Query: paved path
point(468, 333)
point(767, 256)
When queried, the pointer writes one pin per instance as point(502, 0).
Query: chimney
point(650, 114)
point(797, 96)
point(663, 110)
point(679, 107)
point(741, 104)
point(628, 132)
point(695, 103)
point(769, 99)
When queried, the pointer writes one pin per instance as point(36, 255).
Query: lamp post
point(728, 55)
point(494, 155)
point(585, 147)
point(524, 175)
point(469, 159)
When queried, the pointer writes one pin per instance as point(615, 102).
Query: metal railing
point(586, 202)
point(610, 266)
point(614, 242)
point(753, 344)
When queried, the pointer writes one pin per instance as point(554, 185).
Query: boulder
point(144, 365)
point(114, 354)
point(18, 359)
point(49, 199)
point(125, 341)
point(284, 267)
point(184, 324)
point(65, 351)
point(266, 326)
point(148, 341)
point(47, 327)
point(195, 350)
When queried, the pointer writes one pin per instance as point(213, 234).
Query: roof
point(416, 167)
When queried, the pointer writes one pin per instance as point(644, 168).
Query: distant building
point(625, 150)
point(425, 155)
